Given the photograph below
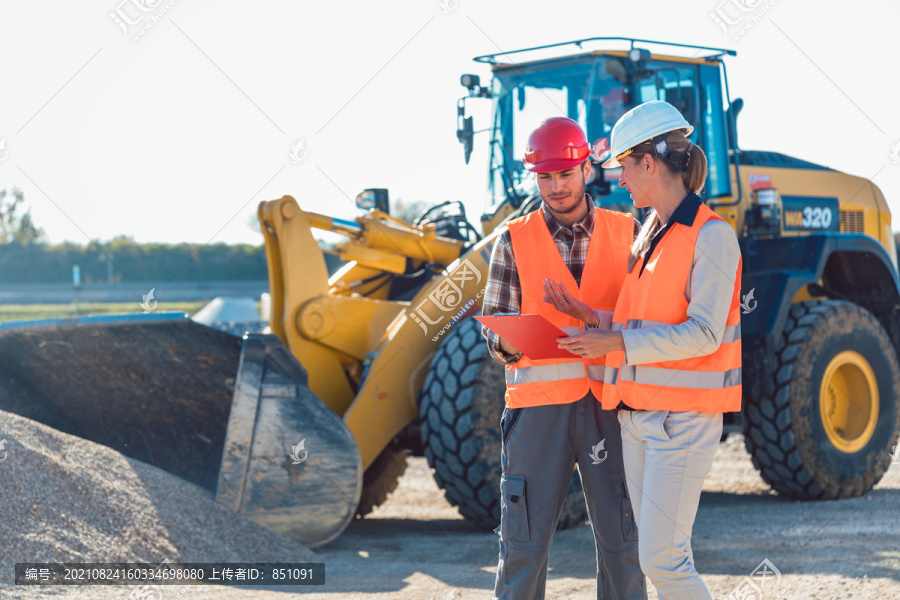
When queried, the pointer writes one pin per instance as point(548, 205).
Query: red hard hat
point(556, 145)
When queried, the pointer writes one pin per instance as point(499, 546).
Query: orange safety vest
point(709, 383)
point(561, 381)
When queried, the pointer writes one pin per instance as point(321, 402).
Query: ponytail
point(692, 169)
point(693, 175)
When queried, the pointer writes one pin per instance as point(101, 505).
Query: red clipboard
point(533, 335)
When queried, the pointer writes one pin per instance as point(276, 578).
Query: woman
point(672, 345)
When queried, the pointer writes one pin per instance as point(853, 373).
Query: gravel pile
point(68, 499)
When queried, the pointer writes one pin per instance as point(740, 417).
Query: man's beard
point(574, 206)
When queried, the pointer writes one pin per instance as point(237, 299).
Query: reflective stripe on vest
point(544, 373)
point(699, 380)
point(559, 371)
point(596, 372)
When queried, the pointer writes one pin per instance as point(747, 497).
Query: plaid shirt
point(503, 292)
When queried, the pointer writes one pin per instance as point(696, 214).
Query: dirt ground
point(417, 547)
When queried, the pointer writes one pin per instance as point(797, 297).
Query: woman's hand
point(593, 343)
point(564, 302)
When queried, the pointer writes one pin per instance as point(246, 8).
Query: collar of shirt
point(684, 214)
point(585, 226)
point(686, 211)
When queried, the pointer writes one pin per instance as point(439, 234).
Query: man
point(553, 417)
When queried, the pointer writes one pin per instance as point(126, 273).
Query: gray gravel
point(68, 499)
point(416, 546)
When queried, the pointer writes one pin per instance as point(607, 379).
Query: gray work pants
point(540, 446)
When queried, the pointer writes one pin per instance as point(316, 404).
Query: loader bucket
point(220, 411)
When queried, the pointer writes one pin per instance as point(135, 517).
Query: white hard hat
point(641, 123)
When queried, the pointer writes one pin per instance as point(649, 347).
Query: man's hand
point(564, 302)
point(507, 347)
point(593, 343)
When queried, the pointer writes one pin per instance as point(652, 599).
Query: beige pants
point(667, 457)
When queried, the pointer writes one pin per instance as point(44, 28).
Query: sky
point(170, 121)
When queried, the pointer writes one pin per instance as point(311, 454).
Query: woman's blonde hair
point(693, 176)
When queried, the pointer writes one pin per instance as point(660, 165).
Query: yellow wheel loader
point(307, 427)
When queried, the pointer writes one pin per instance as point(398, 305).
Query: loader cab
point(595, 89)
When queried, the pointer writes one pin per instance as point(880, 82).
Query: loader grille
point(852, 221)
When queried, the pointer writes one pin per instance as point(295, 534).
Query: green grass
point(20, 312)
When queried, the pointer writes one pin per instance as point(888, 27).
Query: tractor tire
point(381, 478)
point(827, 430)
point(460, 406)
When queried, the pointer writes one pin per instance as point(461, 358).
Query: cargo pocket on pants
point(513, 509)
point(629, 528)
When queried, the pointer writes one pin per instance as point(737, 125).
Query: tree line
point(26, 257)
point(122, 261)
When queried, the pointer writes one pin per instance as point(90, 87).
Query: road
point(416, 546)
